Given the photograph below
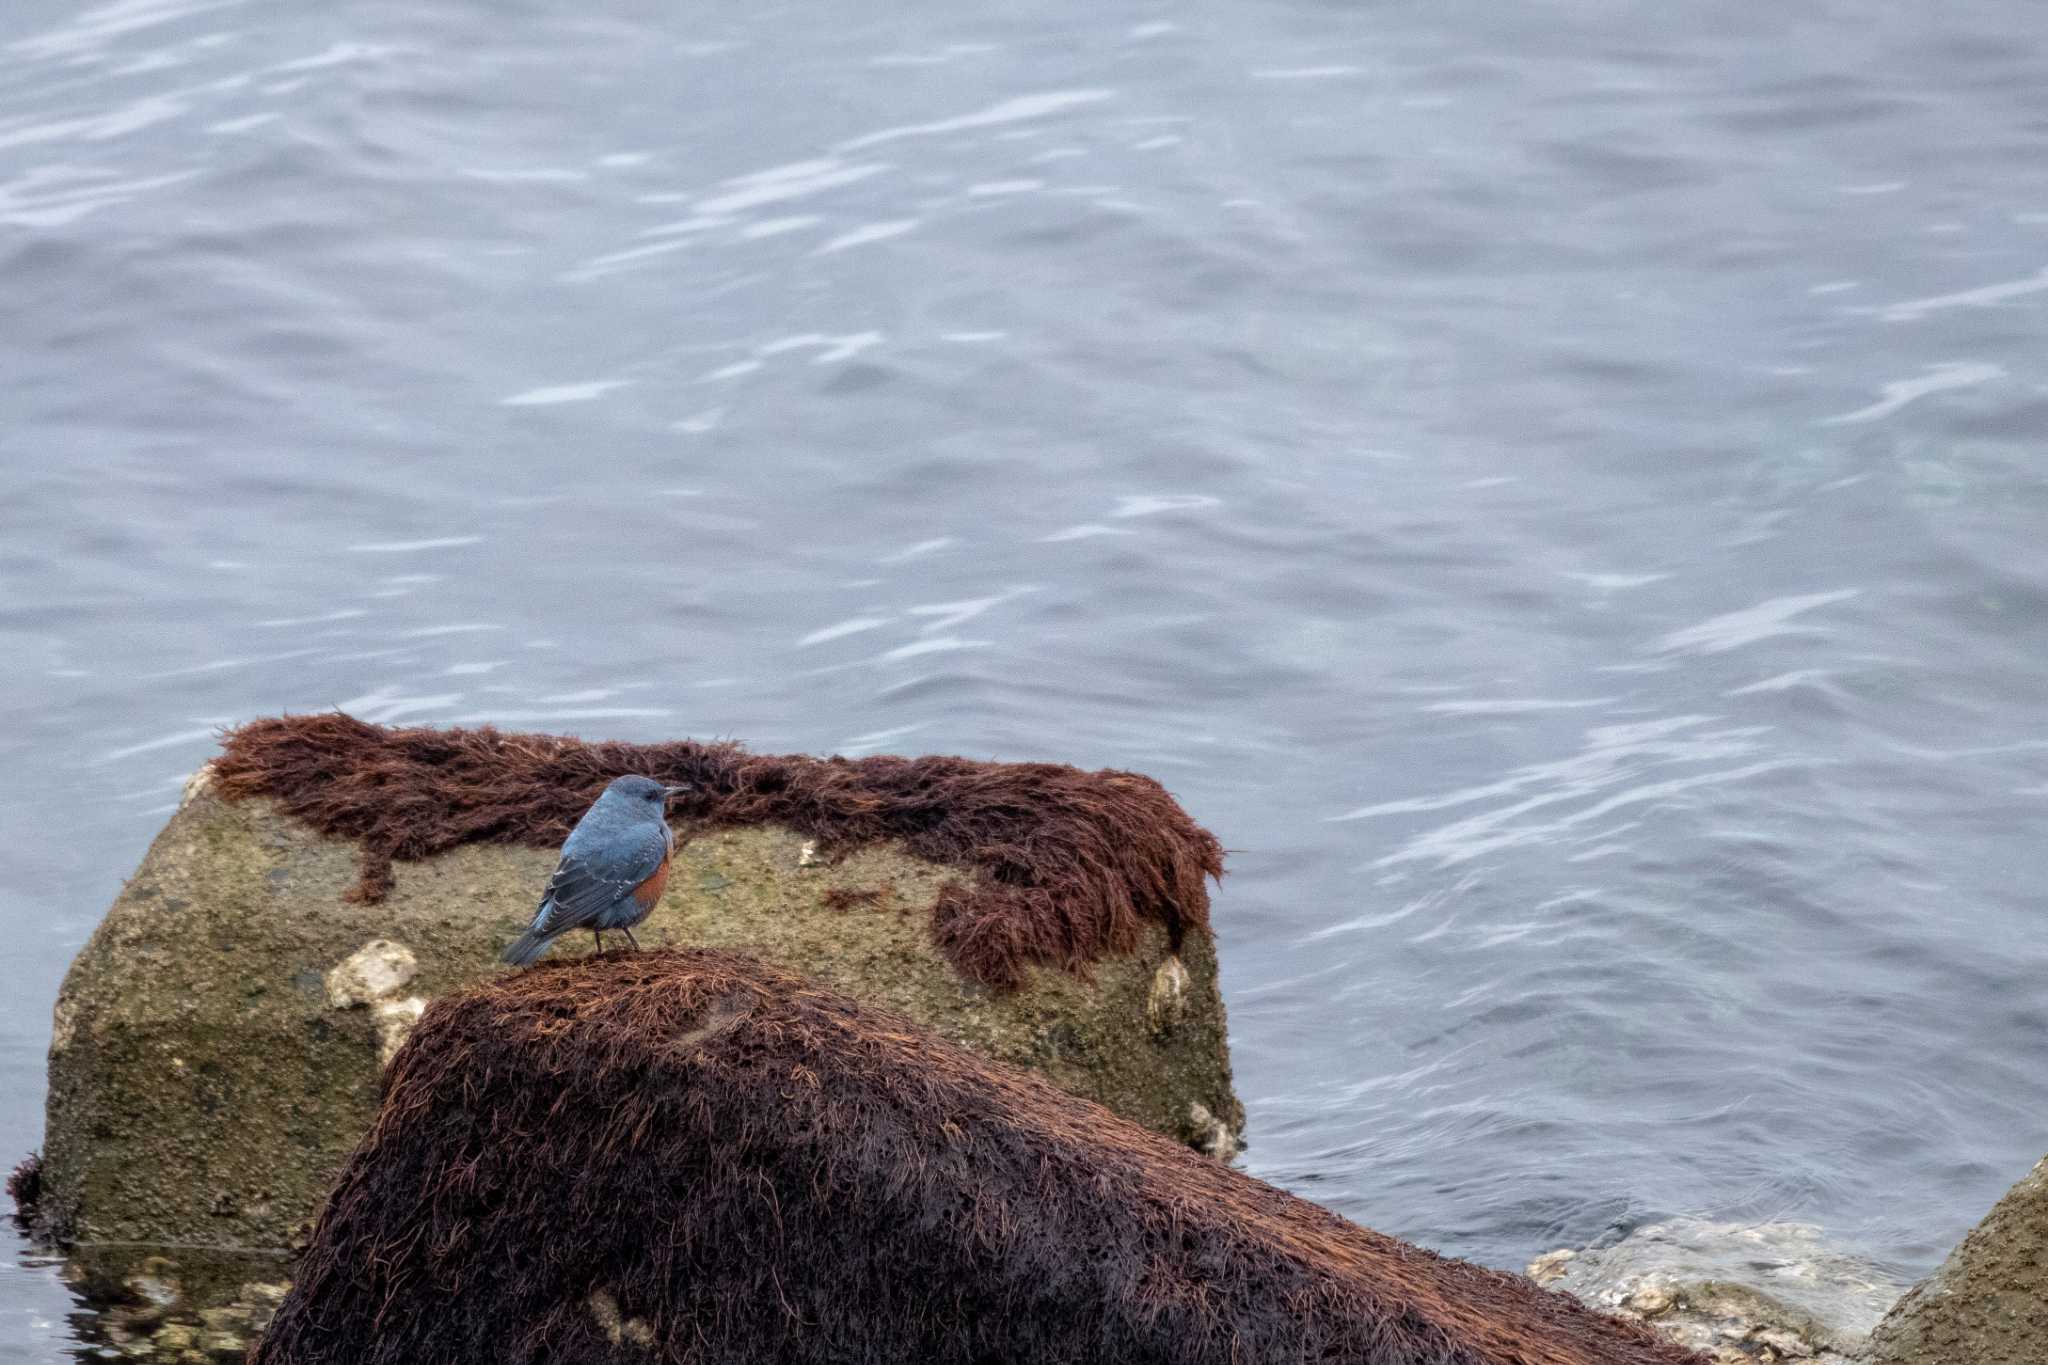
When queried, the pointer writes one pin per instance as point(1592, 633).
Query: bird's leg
point(630, 939)
point(598, 934)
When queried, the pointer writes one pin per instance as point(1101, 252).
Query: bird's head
point(633, 789)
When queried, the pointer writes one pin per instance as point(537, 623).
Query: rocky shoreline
point(1739, 1293)
point(204, 1099)
point(1742, 1294)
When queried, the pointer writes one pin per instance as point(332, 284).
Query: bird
point(614, 865)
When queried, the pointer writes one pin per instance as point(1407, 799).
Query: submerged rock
point(690, 1155)
point(198, 1307)
point(1988, 1303)
point(219, 1044)
point(1741, 1292)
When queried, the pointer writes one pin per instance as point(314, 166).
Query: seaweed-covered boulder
point(1988, 1303)
point(218, 1043)
point(692, 1156)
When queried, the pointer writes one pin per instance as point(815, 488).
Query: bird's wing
point(589, 881)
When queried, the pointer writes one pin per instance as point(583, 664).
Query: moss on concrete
point(204, 1089)
point(1988, 1303)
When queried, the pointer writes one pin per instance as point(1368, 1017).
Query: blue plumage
point(614, 865)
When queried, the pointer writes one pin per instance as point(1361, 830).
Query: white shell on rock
point(1212, 1135)
point(1167, 1001)
point(395, 1019)
point(197, 783)
point(376, 971)
point(1650, 1298)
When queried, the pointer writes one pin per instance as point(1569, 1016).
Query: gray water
point(1559, 489)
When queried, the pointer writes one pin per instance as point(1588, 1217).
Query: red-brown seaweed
point(1066, 867)
point(25, 1187)
point(689, 1156)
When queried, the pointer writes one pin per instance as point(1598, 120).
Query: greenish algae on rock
point(216, 1054)
point(1988, 1303)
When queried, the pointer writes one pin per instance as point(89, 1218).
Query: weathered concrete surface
point(1988, 1303)
point(217, 1044)
point(1740, 1292)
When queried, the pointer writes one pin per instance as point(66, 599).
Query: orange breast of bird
point(649, 891)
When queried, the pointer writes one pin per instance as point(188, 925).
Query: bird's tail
point(527, 947)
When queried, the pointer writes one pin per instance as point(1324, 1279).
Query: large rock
point(218, 1043)
point(1988, 1303)
point(690, 1156)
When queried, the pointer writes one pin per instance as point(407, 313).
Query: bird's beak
point(670, 793)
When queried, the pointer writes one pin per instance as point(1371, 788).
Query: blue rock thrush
point(613, 867)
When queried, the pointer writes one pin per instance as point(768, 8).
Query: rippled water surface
point(1559, 489)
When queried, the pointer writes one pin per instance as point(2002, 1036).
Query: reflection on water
point(1557, 493)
